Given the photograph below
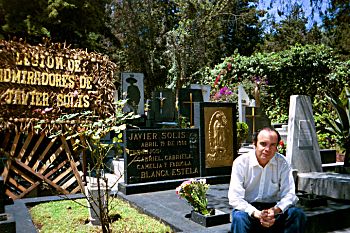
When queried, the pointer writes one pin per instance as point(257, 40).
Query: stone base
point(217, 218)
point(129, 189)
point(334, 216)
point(327, 184)
point(94, 221)
point(311, 200)
point(328, 155)
point(7, 223)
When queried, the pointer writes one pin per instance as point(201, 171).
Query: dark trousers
point(293, 220)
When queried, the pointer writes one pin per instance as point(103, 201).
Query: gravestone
point(250, 113)
point(218, 137)
point(282, 130)
point(243, 101)
point(186, 99)
point(256, 119)
point(162, 111)
point(133, 90)
point(303, 151)
point(205, 91)
point(156, 155)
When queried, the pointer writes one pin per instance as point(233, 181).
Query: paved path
point(166, 205)
point(163, 205)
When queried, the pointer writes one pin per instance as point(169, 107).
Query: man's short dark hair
point(268, 128)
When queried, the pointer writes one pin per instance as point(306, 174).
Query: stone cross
point(253, 116)
point(186, 99)
point(161, 101)
point(191, 108)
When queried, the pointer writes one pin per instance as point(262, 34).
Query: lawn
point(72, 216)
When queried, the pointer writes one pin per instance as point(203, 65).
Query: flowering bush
point(225, 94)
point(282, 147)
point(195, 193)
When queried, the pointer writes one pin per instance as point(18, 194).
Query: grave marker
point(303, 151)
point(160, 154)
point(253, 117)
point(218, 136)
point(205, 91)
point(243, 101)
point(40, 83)
point(250, 113)
point(187, 98)
point(163, 105)
point(133, 90)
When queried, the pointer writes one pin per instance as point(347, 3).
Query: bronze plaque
point(218, 137)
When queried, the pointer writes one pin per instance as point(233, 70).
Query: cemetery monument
point(133, 91)
point(303, 151)
point(37, 85)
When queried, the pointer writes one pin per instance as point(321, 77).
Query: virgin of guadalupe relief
point(219, 151)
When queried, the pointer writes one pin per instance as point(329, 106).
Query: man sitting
point(262, 189)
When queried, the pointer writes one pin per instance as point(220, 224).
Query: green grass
point(70, 216)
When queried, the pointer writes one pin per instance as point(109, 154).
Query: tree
point(167, 40)
point(336, 24)
point(245, 32)
point(80, 23)
point(290, 31)
point(141, 27)
point(208, 31)
point(170, 40)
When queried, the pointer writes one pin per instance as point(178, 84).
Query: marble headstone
point(205, 91)
point(133, 90)
point(303, 151)
point(243, 101)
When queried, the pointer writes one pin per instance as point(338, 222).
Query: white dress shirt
point(250, 182)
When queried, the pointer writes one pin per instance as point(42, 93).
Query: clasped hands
point(267, 217)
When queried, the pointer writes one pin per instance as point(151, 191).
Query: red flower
point(229, 66)
point(217, 80)
point(281, 143)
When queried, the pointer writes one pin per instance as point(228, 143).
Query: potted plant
point(195, 191)
point(341, 126)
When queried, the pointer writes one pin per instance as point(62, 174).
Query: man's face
point(266, 146)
